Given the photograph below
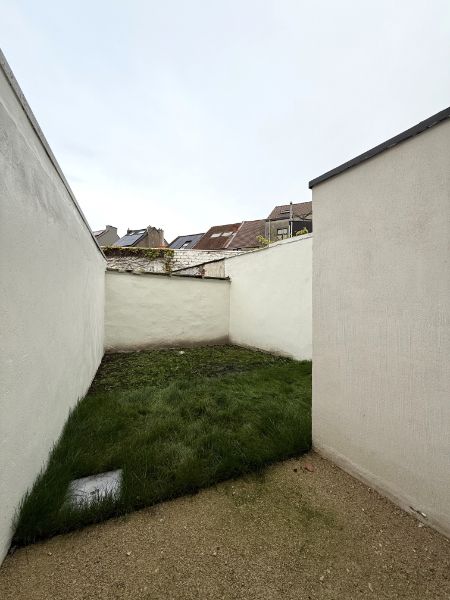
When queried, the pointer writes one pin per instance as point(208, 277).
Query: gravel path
point(292, 533)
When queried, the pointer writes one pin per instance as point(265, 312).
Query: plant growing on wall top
point(165, 254)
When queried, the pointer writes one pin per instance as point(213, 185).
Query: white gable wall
point(381, 313)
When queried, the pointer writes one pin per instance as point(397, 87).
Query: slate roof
point(186, 241)
point(246, 235)
point(302, 209)
point(107, 229)
point(217, 237)
point(131, 238)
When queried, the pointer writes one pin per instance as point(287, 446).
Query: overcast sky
point(185, 114)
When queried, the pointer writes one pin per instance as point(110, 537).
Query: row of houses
point(283, 222)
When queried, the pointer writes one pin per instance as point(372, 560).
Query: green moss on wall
point(165, 254)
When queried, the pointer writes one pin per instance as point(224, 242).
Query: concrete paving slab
point(87, 490)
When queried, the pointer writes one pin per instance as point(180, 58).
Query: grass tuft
point(174, 423)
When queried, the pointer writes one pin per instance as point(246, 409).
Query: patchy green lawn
point(174, 422)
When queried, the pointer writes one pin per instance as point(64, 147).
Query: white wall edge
point(8, 72)
point(374, 482)
point(296, 238)
point(173, 274)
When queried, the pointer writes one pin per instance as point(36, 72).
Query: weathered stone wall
point(172, 260)
point(215, 268)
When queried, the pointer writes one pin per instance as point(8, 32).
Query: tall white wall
point(51, 302)
point(270, 298)
point(381, 313)
point(156, 310)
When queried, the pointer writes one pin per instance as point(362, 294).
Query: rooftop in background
point(147, 237)
point(186, 242)
point(247, 235)
point(299, 210)
point(217, 237)
point(107, 236)
point(401, 137)
point(132, 237)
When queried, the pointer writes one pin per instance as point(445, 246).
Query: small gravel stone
point(286, 538)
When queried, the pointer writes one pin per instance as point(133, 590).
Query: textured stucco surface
point(270, 298)
point(381, 312)
point(51, 305)
point(157, 310)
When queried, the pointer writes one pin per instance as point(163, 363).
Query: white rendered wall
point(157, 310)
point(381, 313)
point(51, 305)
point(270, 298)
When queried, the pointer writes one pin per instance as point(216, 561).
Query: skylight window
point(227, 233)
point(215, 235)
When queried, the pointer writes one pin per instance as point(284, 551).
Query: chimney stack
point(155, 237)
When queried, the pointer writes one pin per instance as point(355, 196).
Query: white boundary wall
point(381, 312)
point(144, 310)
point(51, 301)
point(266, 305)
point(270, 298)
